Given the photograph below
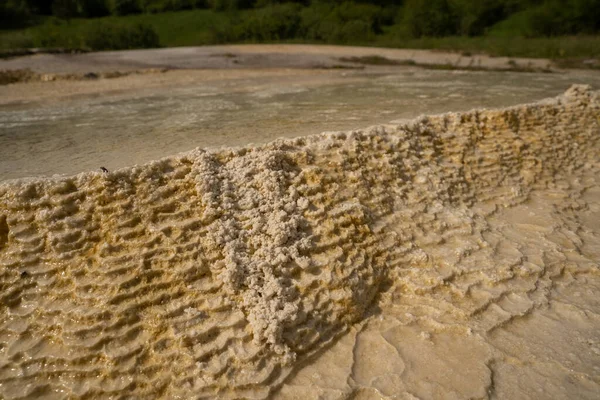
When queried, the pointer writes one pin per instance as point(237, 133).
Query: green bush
point(228, 5)
point(437, 18)
point(178, 5)
point(95, 8)
point(227, 31)
point(515, 25)
point(105, 36)
point(126, 7)
point(429, 18)
point(565, 17)
point(352, 32)
point(157, 6)
point(475, 16)
point(371, 15)
point(17, 40)
point(280, 21)
point(14, 13)
point(65, 9)
point(314, 23)
point(53, 34)
point(344, 23)
point(42, 7)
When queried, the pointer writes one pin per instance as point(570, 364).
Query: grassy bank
point(204, 27)
point(184, 28)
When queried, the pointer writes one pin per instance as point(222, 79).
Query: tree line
point(312, 19)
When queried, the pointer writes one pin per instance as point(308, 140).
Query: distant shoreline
point(40, 65)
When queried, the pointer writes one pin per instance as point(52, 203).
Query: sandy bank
point(250, 56)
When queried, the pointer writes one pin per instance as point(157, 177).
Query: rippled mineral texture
point(454, 256)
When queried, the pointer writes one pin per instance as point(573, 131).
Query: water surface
point(119, 129)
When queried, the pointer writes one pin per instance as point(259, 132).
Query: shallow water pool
point(122, 128)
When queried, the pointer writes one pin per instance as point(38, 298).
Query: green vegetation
point(566, 29)
point(184, 28)
point(121, 37)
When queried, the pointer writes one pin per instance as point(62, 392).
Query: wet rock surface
point(453, 256)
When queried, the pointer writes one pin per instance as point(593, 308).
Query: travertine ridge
point(214, 273)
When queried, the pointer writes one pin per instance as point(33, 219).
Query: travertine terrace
point(217, 273)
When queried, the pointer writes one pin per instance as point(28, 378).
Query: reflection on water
point(118, 130)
